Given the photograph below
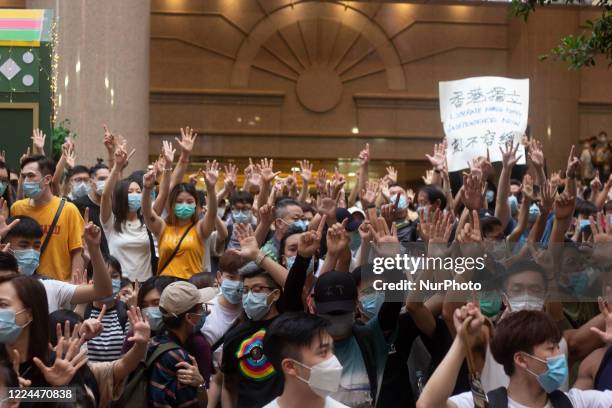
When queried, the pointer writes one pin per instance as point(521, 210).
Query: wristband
point(260, 257)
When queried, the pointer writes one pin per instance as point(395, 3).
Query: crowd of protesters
point(145, 290)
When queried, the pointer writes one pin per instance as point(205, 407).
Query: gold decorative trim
point(22, 106)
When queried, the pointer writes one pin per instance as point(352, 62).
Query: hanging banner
point(482, 112)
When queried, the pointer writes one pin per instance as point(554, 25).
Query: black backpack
point(498, 398)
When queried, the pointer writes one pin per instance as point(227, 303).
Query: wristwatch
point(260, 257)
point(202, 388)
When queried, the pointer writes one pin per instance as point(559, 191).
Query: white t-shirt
point(59, 294)
point(578, 398)
point(329, 403)
point(493, 375)
point(219, 320)
point(131, 247)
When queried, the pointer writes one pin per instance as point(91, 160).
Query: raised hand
point(266, 214)
point(65, 365)
point(527, 187)
point(187, 140)
point(469, 322)
point(25, 155)
point(472, 192)
point(470, 234)
point(573, 164)
point(364, 155)
point(337, 238)
point(168, 152)
point(601, 235)
point(564, 206)
point(428, 177)
point(596, 182)
point(93, 327)
point(231, 173)
point(249, 249)
point(4, 211)
point(321, 181)
point(311, 240)
point(92, 235)
point(606, 310)
point(15, 358)
point(365, 232)
point(368, 195)
point(266, 169)
point(189, 374)
point(148, 180)
point(69, 153)
point(509, 157)
point(140, 326)
point(38, 140)
point(548, 194)
point(211, 173)
point(441, 227)
point(337, 183)
point(439, 156)
point(109, 140)
point(3, 156)
point(305, 170)
point(536, 155)
point(391, 176)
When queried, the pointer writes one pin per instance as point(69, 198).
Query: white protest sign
point(480, 113)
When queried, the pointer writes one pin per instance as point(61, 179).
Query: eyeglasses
point(255, 289)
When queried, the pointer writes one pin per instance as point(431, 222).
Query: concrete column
point(103, 72)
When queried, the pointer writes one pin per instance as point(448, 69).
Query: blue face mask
point(184, 211)
point(291, 261)
point(580, 282)
point(256, 305)
point(3, 186)
point(28, 260)
point(584, 223)
point(231, 291)
point(513, 203)
point(551, 379)
point(80, 189)
point(100, 186)
point(534, 213)
point(200, 323)
point(371, 304)
point(403, 202)
point(490, 194)
point(9, 329)
point(154, 316)
point(134, 201)
point(116, 285)
point(241, 217)
point(31, 189)
point(299, 225)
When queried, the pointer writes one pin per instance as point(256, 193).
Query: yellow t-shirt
point(56, 261)
point(188, 259)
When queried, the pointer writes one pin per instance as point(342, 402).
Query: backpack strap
point(498, 398)
point(178, 246)
point(154, 258)
point(53, 225)
point(558, 399)
point(161, 349)
point(121, 309)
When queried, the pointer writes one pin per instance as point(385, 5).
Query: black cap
point(352, 224)
point(335, 292)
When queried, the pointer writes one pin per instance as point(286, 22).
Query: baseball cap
point(342, 214)
point(208, 294)
point(335, 292)
point(179, 297)
point(358, 210)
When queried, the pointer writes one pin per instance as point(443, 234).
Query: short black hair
point(46, 166)
point(126, 282)
point(289, 334)
point(434, 194)
point(78, 169)
point(94, 169)
point(585, 208)
point(241, 197)
point(281, 206)
point(608, 207)
point(488, 223)
point(522, 331)
point(154, 282)
point(8, 263)
point(27, 227)
point(524, 266)
point(202, 279)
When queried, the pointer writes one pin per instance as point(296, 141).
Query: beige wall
point(264, 78)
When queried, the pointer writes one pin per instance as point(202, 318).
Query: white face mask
point(324, 377)
point(526, 301)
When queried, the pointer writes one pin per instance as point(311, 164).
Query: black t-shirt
point(94, 216)
point(246, 366)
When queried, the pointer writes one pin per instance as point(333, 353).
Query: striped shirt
point(165, 391)
point(107, 346)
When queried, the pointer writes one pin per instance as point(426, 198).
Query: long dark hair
point(171, 218)
point(32, 294)
point(120, 203)
point(8, 194)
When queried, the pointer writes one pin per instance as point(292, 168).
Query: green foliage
point(60, 132)
point(576, 50)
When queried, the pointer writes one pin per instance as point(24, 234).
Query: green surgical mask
point(490, 303)
point(184, 211)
